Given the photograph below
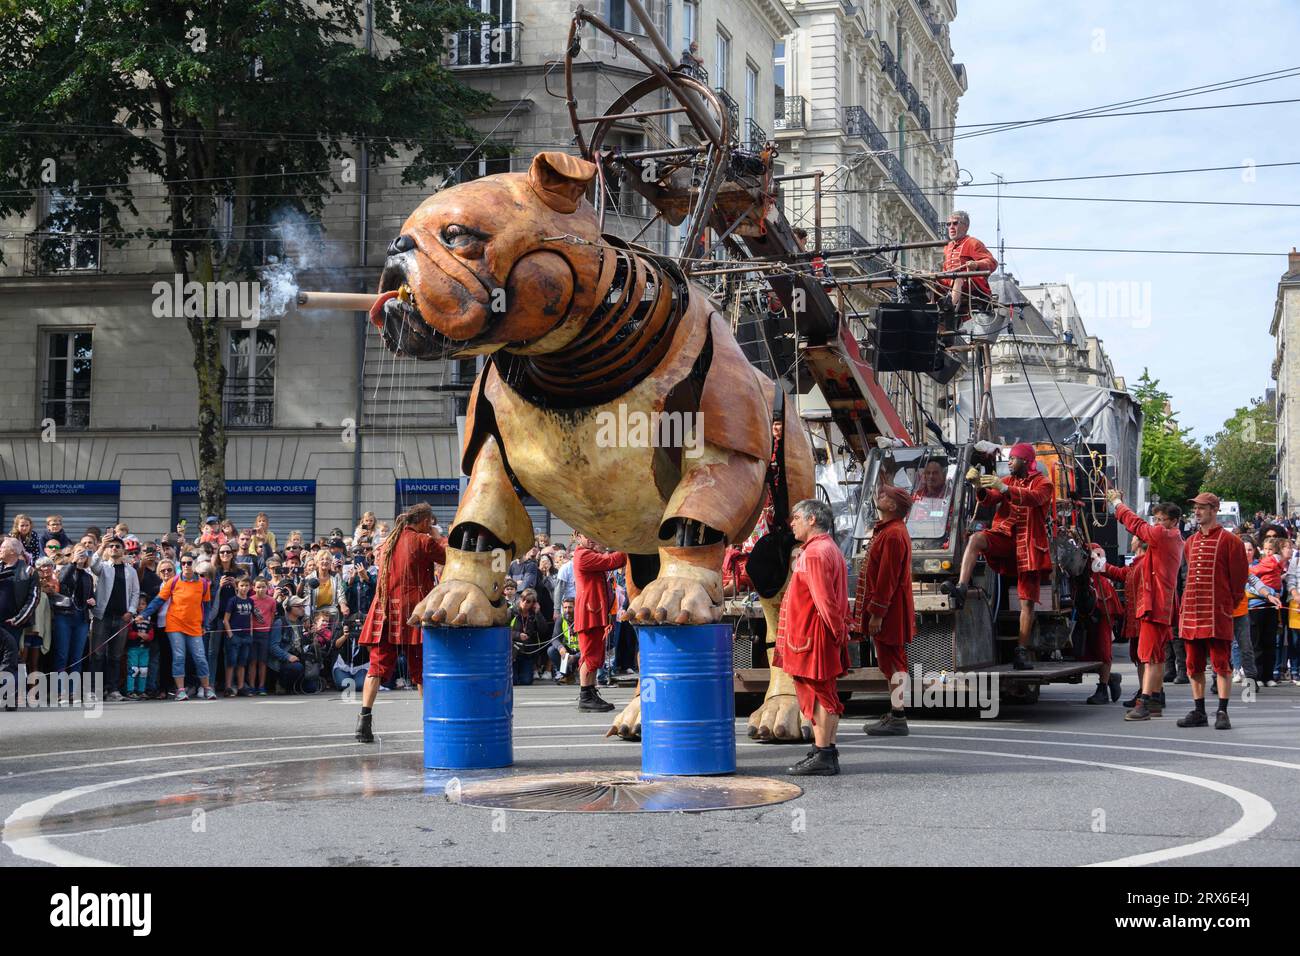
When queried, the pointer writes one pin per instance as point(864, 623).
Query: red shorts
point(383, 660)
point(1220, 655)
point(1152, 640)
point(1002, 549)
point(810, 692)
point(891, 658)
point(592, 645)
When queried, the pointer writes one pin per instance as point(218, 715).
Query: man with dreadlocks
point(406, 561)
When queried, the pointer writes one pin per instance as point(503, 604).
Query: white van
point(1230, 515)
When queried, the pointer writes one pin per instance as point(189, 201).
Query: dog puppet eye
point(456, 234)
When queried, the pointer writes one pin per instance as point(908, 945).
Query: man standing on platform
point(591, 616)
point(883, 604)
point(406, 560)
point(813, 636)
point(1216, 577)
point(1017, 541)
point(1156, 597)
point(965, 253)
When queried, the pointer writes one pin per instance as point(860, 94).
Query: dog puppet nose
point(401, 244)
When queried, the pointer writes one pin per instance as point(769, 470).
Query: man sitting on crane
point(965, 253)
point(1017, 542)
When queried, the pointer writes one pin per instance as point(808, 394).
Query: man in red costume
point(1101, 630)
point(1157, 597)
point(591, 613)
point(406, 575)
point(965, 253)
point(1017, 542)
point(812, 640)
point(1216, 577)
point(883, 603)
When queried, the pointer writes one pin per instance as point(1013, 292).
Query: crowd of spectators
point(229, 612)
point(1266, 642)
point(234, 612)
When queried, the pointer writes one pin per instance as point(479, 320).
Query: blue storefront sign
point(60, 487)
point(270, 487)
point(428, 486)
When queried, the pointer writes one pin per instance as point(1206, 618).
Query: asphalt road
point(279, 780)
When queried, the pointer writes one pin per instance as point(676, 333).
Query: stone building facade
point(1285, 329)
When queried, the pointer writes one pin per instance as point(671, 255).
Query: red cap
point(1024, 450)
point(1206, 498)
point(132, 544)
point(901, 497)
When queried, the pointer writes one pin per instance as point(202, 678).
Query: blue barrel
point(468, 699)
point(688, 700)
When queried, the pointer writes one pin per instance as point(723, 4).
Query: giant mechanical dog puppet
point(576, 323)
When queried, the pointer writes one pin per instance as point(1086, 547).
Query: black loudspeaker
point(906, 337)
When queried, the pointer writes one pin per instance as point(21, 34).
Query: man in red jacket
point(406, 575)
point(591, 613)
point(1017, 542)
point(1216, 577)
point(965, 253)
point(883, 604)
point(1157, 597)
point(812, 639)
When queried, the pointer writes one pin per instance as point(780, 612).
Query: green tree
point(243, 106)
point(1242, 458)
point(1174, 462)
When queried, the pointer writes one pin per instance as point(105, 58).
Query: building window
point(70, 242)
point(722, 59)
point(493, 41)
point(249, 397)
point(778, 69)
point(620, 17)
point(65, 393)
point(751, 91)
point(690, 23)
point(491, 159)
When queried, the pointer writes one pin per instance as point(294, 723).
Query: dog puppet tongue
point(377, 310)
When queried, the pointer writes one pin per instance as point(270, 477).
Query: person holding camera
point(117, 593)
point(351, 658)
point(529, 635)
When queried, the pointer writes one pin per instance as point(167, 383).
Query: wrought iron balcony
point(887, 59)
point(846, 237)
point(249, 402)
point(858, 123)
point(488, 44)
point(923, 114)
point(49, 253)
point(733, 110)
point(755, 135)
point(791, 113)
point(695, 71)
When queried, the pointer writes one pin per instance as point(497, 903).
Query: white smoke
point(302, 251)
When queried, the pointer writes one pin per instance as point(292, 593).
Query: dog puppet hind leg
point(778, 719)
point(490, 529)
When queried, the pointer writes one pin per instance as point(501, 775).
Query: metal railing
point(858, 123)
point(695, 71)
point(67, 404)
point(846, 237)
point(892, 67)
point(733, 110)
point(791, 113)
point(755, 135)
point(249, 403)
point(488, 44)
point(887, 59)
point(47, 253)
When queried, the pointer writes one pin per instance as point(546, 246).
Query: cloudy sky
point(1199, 322)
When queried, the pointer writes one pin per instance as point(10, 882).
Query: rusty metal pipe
point(341, 301)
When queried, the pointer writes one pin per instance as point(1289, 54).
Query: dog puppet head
point(479, 267)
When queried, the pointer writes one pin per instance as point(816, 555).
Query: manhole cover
point(620, 792)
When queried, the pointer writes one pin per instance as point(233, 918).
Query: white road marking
point(1092, 733)
point(1257, 814)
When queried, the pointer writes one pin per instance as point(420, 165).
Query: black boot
point(1140, 711)
point(890, 725)
point(1020, 659)
point(1099, 696)
point(1132, 701)
point(1113, 684)
point(1156, 704)
point(822, 762)
point(592, 703)
point(365, 731)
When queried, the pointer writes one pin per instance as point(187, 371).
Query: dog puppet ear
point(560, 180)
